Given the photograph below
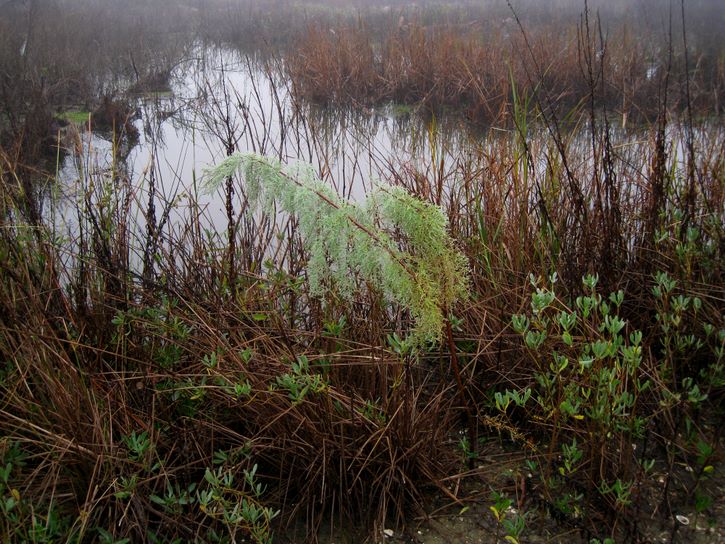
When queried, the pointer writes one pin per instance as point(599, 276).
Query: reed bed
point(474, 68)
point(122, 388)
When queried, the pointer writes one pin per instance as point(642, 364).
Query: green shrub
point(350, 241)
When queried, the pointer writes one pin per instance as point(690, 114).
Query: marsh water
point(222, 100)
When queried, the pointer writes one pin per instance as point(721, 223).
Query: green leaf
point(157, 500)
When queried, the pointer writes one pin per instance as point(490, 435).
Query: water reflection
point(224, 101)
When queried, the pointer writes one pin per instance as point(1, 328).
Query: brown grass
point(94, 353)
point(473, 69)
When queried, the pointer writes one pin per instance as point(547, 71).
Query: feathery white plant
point(346, 239)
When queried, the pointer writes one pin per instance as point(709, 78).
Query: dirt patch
point(472, 520)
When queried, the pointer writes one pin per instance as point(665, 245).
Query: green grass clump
point(77, 117)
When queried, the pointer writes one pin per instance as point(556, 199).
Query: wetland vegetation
point(275, 271)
